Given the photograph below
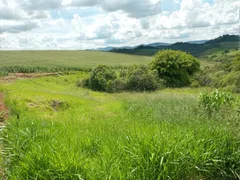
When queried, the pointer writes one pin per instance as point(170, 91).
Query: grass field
point(64, 61)
point(68, 58)
point(60, 131)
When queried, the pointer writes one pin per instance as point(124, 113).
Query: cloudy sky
point(83, 24)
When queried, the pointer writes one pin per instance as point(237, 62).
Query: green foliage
point(135, 78)
point(116, 85)
point(222, 73)
point(201, 78)
point(140, 78)
point(236, 63)
point(175, 67)
point(4, 70)
point(213, 102)
point(100, 77)
point(3, 73)
point(227, 74)
point(226, 51)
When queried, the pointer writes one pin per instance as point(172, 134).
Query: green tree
point(175, 67)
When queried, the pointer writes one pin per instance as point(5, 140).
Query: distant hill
point(159, 44)
point(105, 49)
point(197, 42)
point(196, 48)
point(113, 48)
point(110, 48)
point(224, 38)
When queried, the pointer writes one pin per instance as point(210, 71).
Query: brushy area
point(60, 131)
point(224, 73)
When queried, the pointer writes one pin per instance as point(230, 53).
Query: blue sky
point(84, 24)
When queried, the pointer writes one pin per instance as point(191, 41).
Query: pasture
point(60, 131)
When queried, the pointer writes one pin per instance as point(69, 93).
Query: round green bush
point(99, 78)
point(175, 67)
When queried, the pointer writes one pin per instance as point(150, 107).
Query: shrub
point(175, 67)
point(116, 85)
point(140, 78)
point(214, 101)
point(227, 75)
point(236, 63)
point(100, 77)
point(201, 78)
point(226, 51)
point(135, 78)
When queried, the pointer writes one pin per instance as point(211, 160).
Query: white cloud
point(30, 24)
point(41, 4)
point(10, 9)
point(17, 27)
point(133, 8)
point(39, 14)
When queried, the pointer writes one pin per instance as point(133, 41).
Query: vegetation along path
point(3, 109)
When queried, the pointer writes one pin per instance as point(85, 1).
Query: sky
point(90, 24)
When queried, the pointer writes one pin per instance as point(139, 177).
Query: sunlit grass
point(68, 58)
point(159, 135)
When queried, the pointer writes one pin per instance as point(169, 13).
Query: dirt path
point(4, 113)
point(14, 76)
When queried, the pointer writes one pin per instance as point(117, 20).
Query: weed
point(213, 102)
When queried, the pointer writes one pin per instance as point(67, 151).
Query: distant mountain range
point(197, 42)
point(196, 48)
point(111, 48)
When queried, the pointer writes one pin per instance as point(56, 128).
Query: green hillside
point(68, 58)
point(226, 42)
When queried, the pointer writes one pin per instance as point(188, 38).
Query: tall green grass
point(160, 135)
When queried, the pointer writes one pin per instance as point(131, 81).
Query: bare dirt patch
point(14, 76)
point(4, 113)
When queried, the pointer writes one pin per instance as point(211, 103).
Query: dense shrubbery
point(100, 78)
point(172, 68)
point(140, 78)
point(202, 78)
point(225, 75)
point(175, 67)
point(135, 78)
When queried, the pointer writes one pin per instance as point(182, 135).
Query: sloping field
point(57, 130)
point(68, 58)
